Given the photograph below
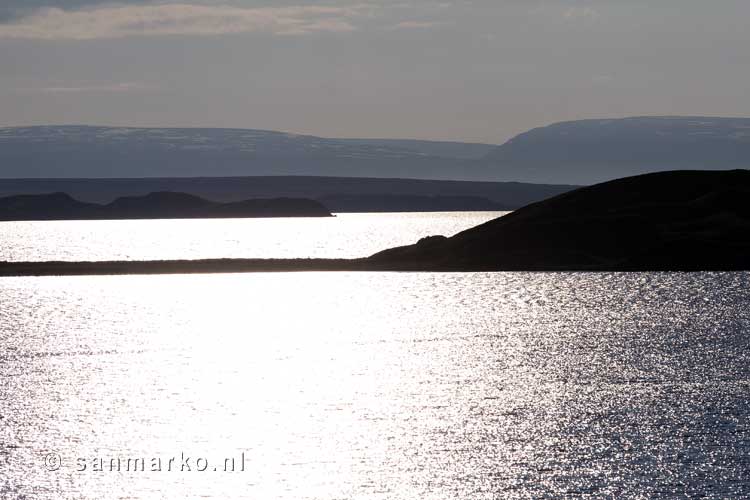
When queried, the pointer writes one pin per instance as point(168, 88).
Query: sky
point(466, 70)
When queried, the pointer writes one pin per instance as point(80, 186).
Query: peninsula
point(679, 220)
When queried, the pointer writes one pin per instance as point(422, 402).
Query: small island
point(158, 205)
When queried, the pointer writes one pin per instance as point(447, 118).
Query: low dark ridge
point(160, 205)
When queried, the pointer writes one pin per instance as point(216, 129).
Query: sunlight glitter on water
point(343, 236)
point(376, 385)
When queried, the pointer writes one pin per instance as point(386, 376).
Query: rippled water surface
point(377, 386)
point(343, 236)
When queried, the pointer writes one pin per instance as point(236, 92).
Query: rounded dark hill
point(680, 220)
point(162, 202)
point(41, 206)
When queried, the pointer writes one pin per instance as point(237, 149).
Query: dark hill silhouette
point(160, 205)
point(41, 207)
point(166, 204)
point(681, 220)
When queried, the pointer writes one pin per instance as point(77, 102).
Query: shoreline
point(201, 266)
point(225, 266)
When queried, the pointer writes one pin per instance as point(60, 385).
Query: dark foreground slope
point(668, 221)
point(681, 220)
point(161, 205)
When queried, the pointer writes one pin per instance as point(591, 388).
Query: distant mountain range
point(586, 151)
point(105, 152)
point(576, 152)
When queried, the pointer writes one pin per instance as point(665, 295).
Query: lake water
point(346, 235)
point(362, 385)
point(376, 386)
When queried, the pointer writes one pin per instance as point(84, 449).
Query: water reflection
point(343, 236)
point(370, 385)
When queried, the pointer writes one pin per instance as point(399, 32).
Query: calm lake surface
point(376, 386)
point(343, 236)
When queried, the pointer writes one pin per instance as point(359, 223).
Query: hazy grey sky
point(453, 69)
